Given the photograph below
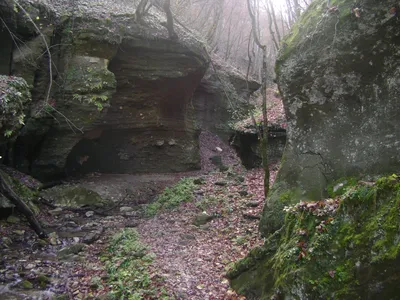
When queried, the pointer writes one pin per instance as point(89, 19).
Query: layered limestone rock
point(221, 98)
point(122, 91)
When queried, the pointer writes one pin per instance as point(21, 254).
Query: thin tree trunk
point(264, 139)
point(275, 22)
point(170, 19)
point(271, 31)
point(8, 192)
point(140, 10)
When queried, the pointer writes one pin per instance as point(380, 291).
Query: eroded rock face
point(214, 111)
point(122, 94)
point(340, 84)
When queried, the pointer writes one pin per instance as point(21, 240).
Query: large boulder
point(345, 247)
point(338, 72)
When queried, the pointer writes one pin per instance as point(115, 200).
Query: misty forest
point(199, 149)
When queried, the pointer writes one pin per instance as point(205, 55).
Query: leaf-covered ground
point(190, 260)
point(193, 259)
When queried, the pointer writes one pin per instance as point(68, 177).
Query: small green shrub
point(172, 197)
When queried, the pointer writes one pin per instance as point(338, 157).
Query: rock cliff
point(338, 72)
point(125, 98)
point(339, 81)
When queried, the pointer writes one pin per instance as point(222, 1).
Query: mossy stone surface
point(341, 248)
point(75, 196)
point(338, 76)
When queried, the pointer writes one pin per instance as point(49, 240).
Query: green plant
point(127, 262)
point(172, 197)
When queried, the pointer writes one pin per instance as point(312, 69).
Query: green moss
point(90, 83)
point(311, 22)
point(172, 197)
point(321, 248)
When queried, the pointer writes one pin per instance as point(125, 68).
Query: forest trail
point(191, 257)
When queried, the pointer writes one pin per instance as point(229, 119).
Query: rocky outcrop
point(247, 145)
point(338, 72)
point(341, 248)
point(339, 81)
point(246, 137)
point(221, 98)
point(122, 92)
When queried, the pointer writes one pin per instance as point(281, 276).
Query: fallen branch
point(7, 191)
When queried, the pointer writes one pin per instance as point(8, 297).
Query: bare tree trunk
point(7, 191)
point(274, 19)
point(264, 139)
point(271, 31)
point(140, 10)
point(170, 19)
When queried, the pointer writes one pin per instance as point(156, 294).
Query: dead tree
point(170, 20)
point(7, 191)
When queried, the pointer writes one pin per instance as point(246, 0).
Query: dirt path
point(191, 259)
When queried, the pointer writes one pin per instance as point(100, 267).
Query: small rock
point(53, 239)
point(202, 219)
point(133, 223)
point(29, 266)
point(218, 149)
point(223, 168)
point(76, 239)
point(199, 192)
point(91, 237)
point(13, 219)
point(125, 209)
point(43, 279)
point(252, 204)
point(55, 212)
point(26, 284)
point(6, 241)
point(42, 243)
point(160, 143)
point(243, 193)
point(199, 180)
point(73, 249)
point(187, 236)
point(250, 216)
point(240, 179)
point(172, 142)
point(89, 213)
point(216, 160)
point(221, 183)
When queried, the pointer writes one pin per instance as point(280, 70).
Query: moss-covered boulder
point(74, 196)
point(345, 247)
point(338, 72)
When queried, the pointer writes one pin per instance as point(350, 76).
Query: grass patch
point(172, 197)
point(127, 262)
